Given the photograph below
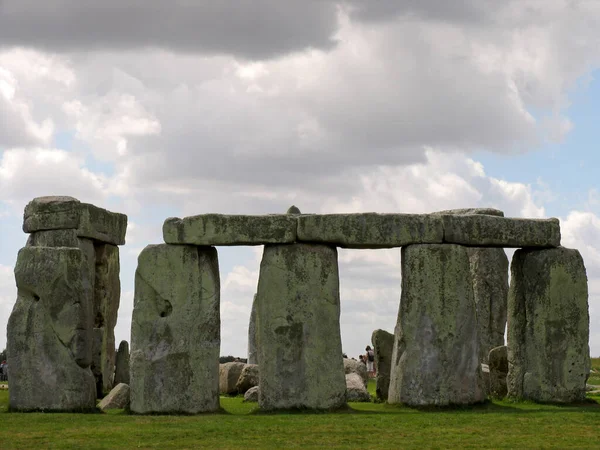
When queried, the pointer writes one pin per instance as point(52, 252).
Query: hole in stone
point(36, 297)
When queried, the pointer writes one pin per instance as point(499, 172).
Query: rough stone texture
point(298, 319)
point(370, 230)
point(251, 394)
point(96, 365)
point(61, 213)
point(248, 378)
point(117, 398)
point(435, 360)
point(107, 294)
point(220, 229)
point(492, 231)
point(548, 326)
point(293, 210)
point(54, 238)
point(49, 332)
point(175, 331)
point(252, 352)
point(355, 389)
point(471, 211)
point(229, 374)
point(498, 364)
point(353, 366)
point(383, 347)
point(122, 364)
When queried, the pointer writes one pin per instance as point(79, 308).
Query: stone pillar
point(49, 332)
point(298, 328)
point(435, 359)
point(107, 295)
point(383, 345)
point(252, 356)
point(176, 331)
point(122, 364)
point(548, 326)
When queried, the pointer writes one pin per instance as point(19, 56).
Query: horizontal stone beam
point(65, 213)
point(221, 229)
point(365, 230)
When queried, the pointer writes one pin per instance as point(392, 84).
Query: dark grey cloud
point(248, 28)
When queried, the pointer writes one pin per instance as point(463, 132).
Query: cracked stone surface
point(298, 328)
point(435, 360)
point(50, 332)
point(548, 326)
point(175, 331)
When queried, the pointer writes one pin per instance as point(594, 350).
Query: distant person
point(370, 360)
point(3, 371)
point(361, 358)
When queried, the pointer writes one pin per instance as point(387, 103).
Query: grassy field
point(363, 425)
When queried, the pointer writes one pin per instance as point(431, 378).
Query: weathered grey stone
point(489, 271)
point(249, 377)
point(59, 213)
point(355, 389)
point(175, 331)
point(107, 294)
point(221, 229)
point(96, 365)
point(471, 211)
point(229, 374)
point(353, 366)
point(370, 230)
point(293, 210)
point(252, 351)
point(299, 342)
point(251, 394)
point(548, 326)
point(53, 238)
point(122, 364)
point(492, 231)
point(383, 346)
point(49, 332)
point(435, 360)
point(117, 398)
point(498, 365)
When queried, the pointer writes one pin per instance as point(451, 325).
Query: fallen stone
point(252, 351)
point(229, 374)
point(117, 398)
point(299, 342)
point(122, 364)
point(355, 389)
point(248, 378)
point(548, 326)
point(251, 394)
point(370, 230)
point(61, 213)
point(49, 332)
point(435, 360)
point(353, 366)
point(383, 347)
point(498, 368)
point(220, 229)
point(492, 231)
point(175, 331)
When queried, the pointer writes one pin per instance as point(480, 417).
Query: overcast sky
point(158, 109)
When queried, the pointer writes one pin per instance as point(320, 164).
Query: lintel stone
point(222, 229)
point(371, 230)
point(65, 213)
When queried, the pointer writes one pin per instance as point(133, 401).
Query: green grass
point(363, 425)
point(595, 377)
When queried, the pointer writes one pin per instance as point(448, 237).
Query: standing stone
point(252, 356)
point(175, 331)
point(107, 294)
point(498, 365)
point(489, 272)
point(298, 334)
point(229, 374)
point(435, 360)
point(122, 364)
point(49, 332)
point(548, 326)
point(383, 345)
point(248, 378)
